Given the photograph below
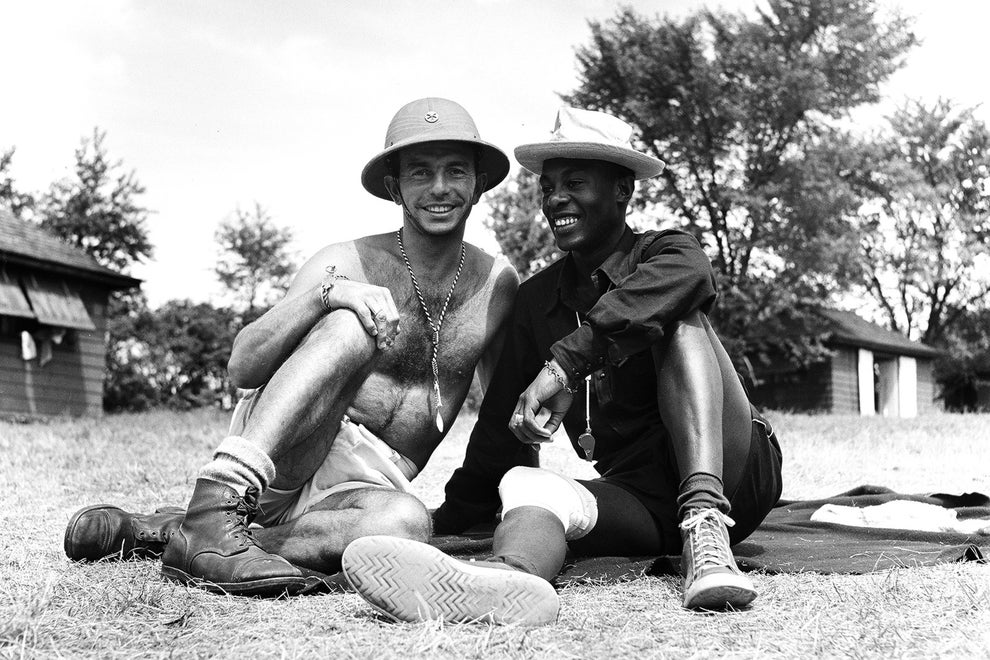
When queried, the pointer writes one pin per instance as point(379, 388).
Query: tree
point(254, 264)
point(97, 210)
point(965, 367)
point(174, 356)
point(20, 204)
point(742, 109)
point(517, 222)
point(926, 239)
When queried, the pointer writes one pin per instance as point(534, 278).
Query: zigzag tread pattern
point(414, 582)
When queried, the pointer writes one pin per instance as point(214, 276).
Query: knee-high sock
point(531, 539)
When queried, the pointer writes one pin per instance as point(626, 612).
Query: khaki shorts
point(357, 459)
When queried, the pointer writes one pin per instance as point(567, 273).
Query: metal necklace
point(434, 328)
point(586, 440)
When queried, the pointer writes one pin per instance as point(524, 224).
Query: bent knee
point(570, 501)
point(341, 331)
point(397, 514)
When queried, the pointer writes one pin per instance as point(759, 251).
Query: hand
point(544, 393)
point(373, 306)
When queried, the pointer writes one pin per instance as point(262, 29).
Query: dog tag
point(586, 441)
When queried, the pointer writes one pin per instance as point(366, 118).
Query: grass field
point(50, 607)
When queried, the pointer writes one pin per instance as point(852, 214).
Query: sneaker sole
point(268, 587)
point(719, 591)
point(413, 582)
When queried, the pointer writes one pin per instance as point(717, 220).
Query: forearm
point(262, 346)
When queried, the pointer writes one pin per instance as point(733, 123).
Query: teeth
point(439, 208)
point(565, 221)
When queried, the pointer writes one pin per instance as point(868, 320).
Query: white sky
point(223, 103)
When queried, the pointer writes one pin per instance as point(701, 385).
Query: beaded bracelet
point(560, 379)
point(327, 285)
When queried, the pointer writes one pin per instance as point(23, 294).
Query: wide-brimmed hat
point(589, 135)
point(432, 120)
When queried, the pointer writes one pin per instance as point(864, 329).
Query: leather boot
point(214, 549)
point(108, 532)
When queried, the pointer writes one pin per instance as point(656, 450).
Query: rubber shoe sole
point(267, 587)
point(411, 581)
point(719, 591)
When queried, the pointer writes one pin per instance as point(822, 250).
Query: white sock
point(239, 464)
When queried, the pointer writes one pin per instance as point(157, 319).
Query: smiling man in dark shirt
point(612, 341)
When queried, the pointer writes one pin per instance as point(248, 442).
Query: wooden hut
point(53, 302)
point(871, 371)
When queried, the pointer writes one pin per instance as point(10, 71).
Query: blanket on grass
point(789, 541)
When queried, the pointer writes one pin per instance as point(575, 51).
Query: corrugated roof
point(850, 328)
point(26, 239)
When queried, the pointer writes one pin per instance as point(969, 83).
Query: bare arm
point(262, 346)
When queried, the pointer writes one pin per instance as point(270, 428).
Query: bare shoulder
point(345, 257)
point(499, 281)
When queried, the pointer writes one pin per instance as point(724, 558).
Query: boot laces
point(708, 544)
point(245, 508)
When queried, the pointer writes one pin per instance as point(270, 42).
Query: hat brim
point(492, 161)
point(643, 166)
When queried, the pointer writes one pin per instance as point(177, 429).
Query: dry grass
point(50, 607)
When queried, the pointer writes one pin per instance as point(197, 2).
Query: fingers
point(523, 423)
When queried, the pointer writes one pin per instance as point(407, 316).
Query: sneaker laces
point(708, 546)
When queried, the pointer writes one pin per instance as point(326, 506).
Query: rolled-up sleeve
point(672, 278)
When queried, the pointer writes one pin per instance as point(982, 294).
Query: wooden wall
point(805, 390)
point(927, 388)
point(843, 382)
point(72, 382)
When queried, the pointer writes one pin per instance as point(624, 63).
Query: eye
point(458, 172)
point(546, 190)
point(418, 173)
point(574, 183)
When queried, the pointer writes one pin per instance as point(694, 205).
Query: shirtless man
point(346, 409)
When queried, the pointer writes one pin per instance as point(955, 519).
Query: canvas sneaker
point(712, 581)
point(411, 581)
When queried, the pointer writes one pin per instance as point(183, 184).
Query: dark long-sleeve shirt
point(650, 281)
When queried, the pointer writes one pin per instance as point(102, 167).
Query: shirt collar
point(614, 268)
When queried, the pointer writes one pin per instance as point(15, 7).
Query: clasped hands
point(545, 394)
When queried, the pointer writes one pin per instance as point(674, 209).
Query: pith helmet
point(589, 135)
point(432, 120)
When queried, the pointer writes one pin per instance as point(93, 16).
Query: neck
point(431, 254)
point(587, 261)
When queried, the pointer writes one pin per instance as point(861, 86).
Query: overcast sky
point(220, 104)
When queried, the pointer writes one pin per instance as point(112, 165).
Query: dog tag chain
point(434, 328)
point(586, 441)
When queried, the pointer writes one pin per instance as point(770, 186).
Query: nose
point(439, 184)
point(556, 199)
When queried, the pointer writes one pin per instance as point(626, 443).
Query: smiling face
point(585, 203)
point(437, 184)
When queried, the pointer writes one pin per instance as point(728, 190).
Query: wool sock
point(701, 490)
point(239, 464)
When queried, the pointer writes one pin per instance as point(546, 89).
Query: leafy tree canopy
point(926, 238)
point(97, 210)
point(21, 204)
point(255, 264)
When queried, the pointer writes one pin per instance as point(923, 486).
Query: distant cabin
point(872, 371)
point(53, 306)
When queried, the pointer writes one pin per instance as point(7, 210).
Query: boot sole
point(410, 581)
point(269, 587)
point(719, 591)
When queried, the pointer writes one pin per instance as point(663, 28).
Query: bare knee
point(395, 514)
point(338, 334)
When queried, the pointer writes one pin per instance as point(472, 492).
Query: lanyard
point(586, 440)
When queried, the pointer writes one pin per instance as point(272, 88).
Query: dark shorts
point(638, 498)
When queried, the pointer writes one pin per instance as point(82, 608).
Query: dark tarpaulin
point(786, 542)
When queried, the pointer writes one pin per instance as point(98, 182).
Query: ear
point(624, 187)
point(479, 186)
point(392, 186)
